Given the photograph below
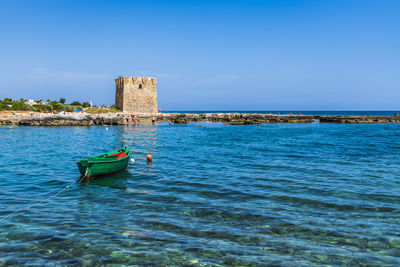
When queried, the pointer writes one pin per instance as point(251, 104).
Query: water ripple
point(279, 194)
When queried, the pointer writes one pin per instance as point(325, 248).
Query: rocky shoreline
point(245, 119)
point(68, 119)
point(85, 119)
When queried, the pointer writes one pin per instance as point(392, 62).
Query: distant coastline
point(30, 118)
point(297, 112)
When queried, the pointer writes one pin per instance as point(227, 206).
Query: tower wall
point(136, 94)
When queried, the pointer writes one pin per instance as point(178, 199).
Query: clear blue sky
point(206, 55)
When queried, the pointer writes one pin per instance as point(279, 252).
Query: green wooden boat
point(105, 163)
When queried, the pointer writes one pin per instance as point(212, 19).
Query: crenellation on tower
point(136, 94)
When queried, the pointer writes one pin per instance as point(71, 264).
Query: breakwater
point(247, 118)
point(85, 119)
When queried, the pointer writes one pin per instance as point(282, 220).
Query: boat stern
point(82, 164)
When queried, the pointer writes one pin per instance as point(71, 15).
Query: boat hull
point(91, 168)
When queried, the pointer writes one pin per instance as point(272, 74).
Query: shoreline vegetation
point(110, 116)
point(51, 106)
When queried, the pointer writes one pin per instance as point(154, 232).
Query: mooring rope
point(37, 204)
point(85, 176)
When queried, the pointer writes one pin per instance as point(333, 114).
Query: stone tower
point(136, 94)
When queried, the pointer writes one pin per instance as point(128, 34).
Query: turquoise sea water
point(278, 194)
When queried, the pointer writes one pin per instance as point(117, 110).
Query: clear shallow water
point(282, 194)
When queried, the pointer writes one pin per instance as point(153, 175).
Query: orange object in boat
point(122, 155)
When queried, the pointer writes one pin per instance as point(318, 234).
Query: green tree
point(58, 107)
point(76, 103)
point(8, 101)
point(53, 103)
point(17, 106)
point(3, 105)
point(69, 108)
point(86, 104)
point(62, 100)
point(39, 107)
point(49, 108)
point(21, 106)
